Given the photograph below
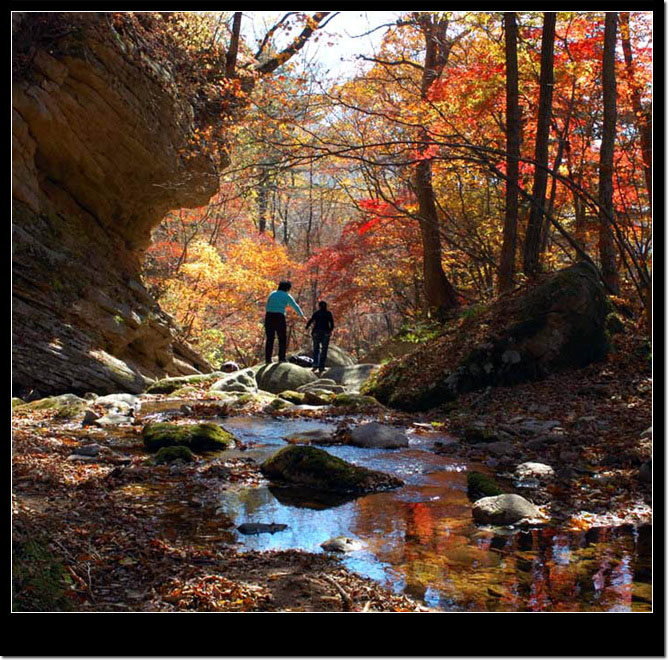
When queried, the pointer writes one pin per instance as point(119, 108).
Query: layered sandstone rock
point(99, 157)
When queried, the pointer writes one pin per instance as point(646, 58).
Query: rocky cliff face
point(98, 145)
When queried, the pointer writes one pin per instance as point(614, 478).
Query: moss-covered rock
point(17, 402)
point(557, 325)
point(278, 404)
point(356, 401)
point(292, 396)
point(251, 399)
point(171, 385)
point(196, 437)
point(184, 392)
point(480, 485)
point(173, 453)
point(317, 398)
point(65, 406)
point(310, 467)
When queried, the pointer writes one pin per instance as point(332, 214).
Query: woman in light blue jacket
point(274, 320)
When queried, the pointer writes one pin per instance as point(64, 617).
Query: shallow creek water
point(421, 540)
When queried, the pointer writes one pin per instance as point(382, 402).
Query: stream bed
point(421, 540)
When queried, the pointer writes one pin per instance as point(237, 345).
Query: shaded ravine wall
point(97, 144)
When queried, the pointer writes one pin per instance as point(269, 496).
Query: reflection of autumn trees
point(535, 570)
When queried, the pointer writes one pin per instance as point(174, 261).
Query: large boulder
point(336, 356)
point(242, 380)
point(280, 376)
point(312, 468)
point(557, 325)
point(351, 376)
point(196, 437)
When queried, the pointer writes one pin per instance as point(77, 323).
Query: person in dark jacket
point(323, 324)
point(274, 320)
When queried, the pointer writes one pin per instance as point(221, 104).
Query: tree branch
point(298, 43)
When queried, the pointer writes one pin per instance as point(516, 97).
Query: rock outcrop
point(101, 153)
point(559, 324)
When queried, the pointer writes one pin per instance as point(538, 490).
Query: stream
point(421, 539)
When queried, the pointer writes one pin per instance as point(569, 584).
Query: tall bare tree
point(513, 137)
point(534, 227)
point(641, 115)
point(440, 295)
point(606, 245)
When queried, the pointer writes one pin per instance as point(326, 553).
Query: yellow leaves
point(225, 288)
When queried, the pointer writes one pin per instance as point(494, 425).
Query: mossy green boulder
point(557, 325)
point(196, 437)
point(479, 485)
point(66, 406)
point(292, 396)
point(355, 401)
point(174, 453)
point(313, 468)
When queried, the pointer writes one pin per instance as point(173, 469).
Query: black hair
point(322, 304)
point(284, 286)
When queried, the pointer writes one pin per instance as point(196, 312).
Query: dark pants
point(274, 323)
point(320, 344)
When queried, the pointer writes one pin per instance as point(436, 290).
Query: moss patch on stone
point(356, 401)
point(480, 485)
point(185, 391)
point(196, 437)
point(170, 385)
point(292, 396)
point(65, 406)
point(173, 453)
point(279, 404)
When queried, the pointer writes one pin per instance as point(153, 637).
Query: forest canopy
point(466, 155)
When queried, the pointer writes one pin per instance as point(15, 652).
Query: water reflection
point(421, 539)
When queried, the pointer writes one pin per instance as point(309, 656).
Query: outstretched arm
point(293, 303)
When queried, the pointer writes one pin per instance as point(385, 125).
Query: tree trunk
point(513, 136)
point(606, 244)
point(233, 50)
point(440, 295)
point(262, 198)
point(642, 117)
point(534, 227)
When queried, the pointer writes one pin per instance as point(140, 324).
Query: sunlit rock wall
point(98, 145)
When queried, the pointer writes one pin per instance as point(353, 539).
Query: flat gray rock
point(378, 436)
point(503, 510)
point(341, 544)
point(261, 528)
